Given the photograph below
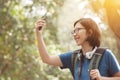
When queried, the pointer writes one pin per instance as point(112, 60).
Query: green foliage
point(19, 58)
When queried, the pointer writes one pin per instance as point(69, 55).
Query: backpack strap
point(74, 59)
point(94, 63)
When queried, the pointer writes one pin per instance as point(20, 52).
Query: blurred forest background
point(19, 57)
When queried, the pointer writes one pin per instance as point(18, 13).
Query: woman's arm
point(96, 75)
point(115, 77)
point(46, 58)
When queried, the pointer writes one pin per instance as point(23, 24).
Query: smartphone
point(44, 17)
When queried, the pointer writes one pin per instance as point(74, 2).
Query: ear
point(90, 32)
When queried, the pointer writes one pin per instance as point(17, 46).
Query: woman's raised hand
point(40, 24)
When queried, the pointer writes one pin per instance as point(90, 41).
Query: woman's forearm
point(110, 78)
point(41, 47)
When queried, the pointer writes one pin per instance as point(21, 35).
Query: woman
point(86, 35)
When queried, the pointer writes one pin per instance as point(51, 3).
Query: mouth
point(77, 39)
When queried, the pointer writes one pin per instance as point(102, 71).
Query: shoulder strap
point(74, 60)
point(94, 63)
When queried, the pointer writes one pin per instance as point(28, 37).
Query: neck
point(86, 48)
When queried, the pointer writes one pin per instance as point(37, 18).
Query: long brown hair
point(95, 38)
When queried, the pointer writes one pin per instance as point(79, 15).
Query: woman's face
point(80, 34)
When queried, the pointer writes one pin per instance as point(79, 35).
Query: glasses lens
point(72, 32)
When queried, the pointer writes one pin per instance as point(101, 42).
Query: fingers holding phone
point(40, 24)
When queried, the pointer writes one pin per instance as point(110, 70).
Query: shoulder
point(109, 57)
point(108, 53)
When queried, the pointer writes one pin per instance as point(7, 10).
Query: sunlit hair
point(95, 38)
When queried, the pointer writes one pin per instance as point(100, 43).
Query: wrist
point(101, 78)
point(39, 32)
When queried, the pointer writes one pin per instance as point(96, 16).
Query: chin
point(79, 44)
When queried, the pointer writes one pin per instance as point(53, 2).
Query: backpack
point(94, 62)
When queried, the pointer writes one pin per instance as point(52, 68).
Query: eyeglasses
point(76, 30)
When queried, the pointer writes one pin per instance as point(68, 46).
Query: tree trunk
point(113, 15)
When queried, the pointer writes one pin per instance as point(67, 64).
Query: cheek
point(82, 38)
point(84, 35)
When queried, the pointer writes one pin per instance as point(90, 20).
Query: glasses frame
point(76, 30)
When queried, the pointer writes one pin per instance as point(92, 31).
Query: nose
point(74, 34)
